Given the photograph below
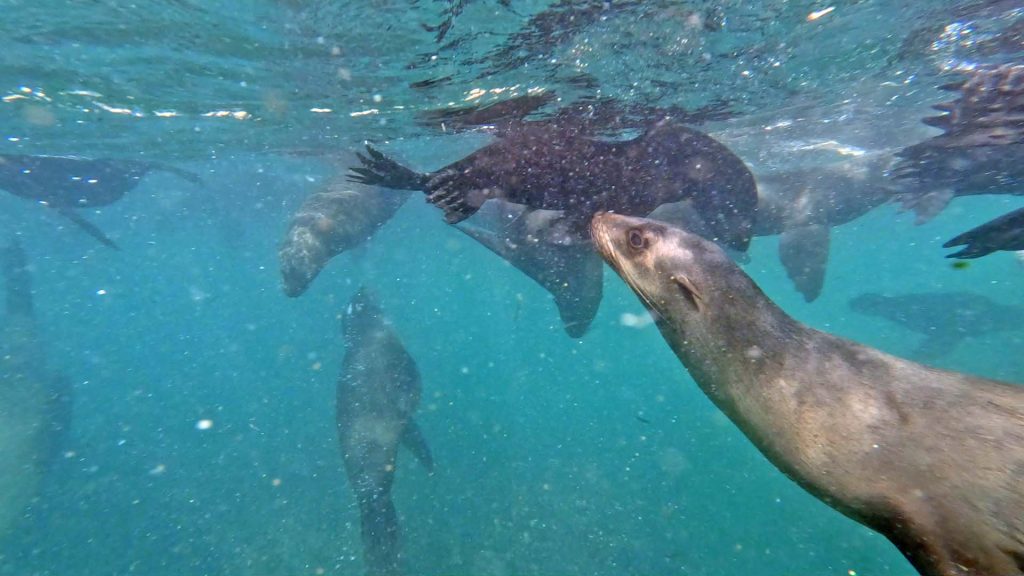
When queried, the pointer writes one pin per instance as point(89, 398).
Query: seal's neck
point(730, 349)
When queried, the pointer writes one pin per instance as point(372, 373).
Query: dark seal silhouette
point(68, 182)
point(566, 165)
point(35, 401)
point(378, 392)
point(931, 459)
point(944, 318)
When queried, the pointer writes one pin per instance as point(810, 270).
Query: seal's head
point(692, 288)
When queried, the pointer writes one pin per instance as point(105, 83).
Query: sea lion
point(1003, 233)
point(328, 223)
point(929, 458)
point(564, 165)
point(68, 182)
point(537, 243)
point(35, 403)
point(378, 392)
point(944, 318)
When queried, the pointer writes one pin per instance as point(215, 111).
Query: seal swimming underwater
point(932, 459)
point(564, 165)
point(339, 218)
point(378, 392)
point(68, 182)
point(35, 404)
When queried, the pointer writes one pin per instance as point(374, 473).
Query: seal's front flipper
point(413, 440)
point(925, 206)
point(89, 227)
point(804, 254)
point(17, 280)
point(571, 271)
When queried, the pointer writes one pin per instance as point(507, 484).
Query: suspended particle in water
point(204, 424)
point(960, 265)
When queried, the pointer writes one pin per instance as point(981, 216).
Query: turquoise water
point(543, 466)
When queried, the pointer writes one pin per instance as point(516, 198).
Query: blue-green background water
point(543, 465)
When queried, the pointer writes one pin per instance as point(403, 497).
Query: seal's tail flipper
point(413, 439)
point(379, 170)
point(379, 531)
point(89, 227)
point(17, 280)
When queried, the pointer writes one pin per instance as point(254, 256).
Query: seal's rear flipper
point(1003, 233)
point(17, 280)
point(452, 200)
point(413, 440)
point(379, 170)
point(89, 227)
point(804, 254)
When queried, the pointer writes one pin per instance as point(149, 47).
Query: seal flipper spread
point(415, 442)
point(379, 170)
point(804, 254)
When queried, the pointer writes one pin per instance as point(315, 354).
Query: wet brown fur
point(932, 459)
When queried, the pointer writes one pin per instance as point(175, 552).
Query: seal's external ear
point(690, 292)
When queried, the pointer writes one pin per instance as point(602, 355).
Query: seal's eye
point(637, 240)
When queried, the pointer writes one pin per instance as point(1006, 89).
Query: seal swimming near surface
point(67, 182)
point(565, 165)
point(377, 394)
point(35, 403)
point(931, 459)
